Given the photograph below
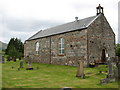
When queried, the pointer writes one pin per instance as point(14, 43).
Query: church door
point(103, 58)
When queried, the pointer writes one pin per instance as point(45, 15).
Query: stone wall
point(75, 48)
point(43, 55)
point(100, 36)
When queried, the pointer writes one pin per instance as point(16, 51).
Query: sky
point(24, 18)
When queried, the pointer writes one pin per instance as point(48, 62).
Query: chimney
point(76, 18)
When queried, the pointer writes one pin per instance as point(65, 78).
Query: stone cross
point(80, 71)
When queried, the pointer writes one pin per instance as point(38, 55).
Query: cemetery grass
point(50, 76)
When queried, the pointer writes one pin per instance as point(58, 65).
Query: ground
point(50, 76)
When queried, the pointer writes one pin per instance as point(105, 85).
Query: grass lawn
point(50, 76)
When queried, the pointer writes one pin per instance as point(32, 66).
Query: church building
point(90, 39)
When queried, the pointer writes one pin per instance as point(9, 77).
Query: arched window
point(61, 46)
point(37, 48)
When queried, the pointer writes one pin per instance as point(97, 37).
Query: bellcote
point(99, 10)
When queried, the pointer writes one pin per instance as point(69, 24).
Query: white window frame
point(61, 46)
point(37, 46)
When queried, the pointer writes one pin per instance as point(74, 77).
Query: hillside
point(3, 46)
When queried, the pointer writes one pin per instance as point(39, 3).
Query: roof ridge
point(67, 27)
point(67, 23)
point(35, 34)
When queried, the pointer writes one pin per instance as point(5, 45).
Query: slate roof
point(71, 26)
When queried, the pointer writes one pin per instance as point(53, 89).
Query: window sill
point(61, 54)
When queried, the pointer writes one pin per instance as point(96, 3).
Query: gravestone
point(0, 59)
point(117, 71)
point(14, 59)
point(8, 59)
point(80, 71)
point(109, 62)
point(21, 64)
point(116, 75)
point(29, 60)
point(3, 60)
point(19, 58)
point(110, 76)
point(18, 69)
point(103, 81)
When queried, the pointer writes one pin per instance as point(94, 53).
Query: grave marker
point(29, 60)
point(3, 60)
point(21, 64)
point(80, 71)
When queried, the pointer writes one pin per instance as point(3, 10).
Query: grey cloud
point(22, 28)
point(28, 25)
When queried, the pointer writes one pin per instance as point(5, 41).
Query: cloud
point(22, 28)
point(23, 18)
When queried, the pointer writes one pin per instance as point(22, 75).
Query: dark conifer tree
point(15, 48)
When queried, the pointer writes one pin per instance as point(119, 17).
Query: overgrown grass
point(50, 76)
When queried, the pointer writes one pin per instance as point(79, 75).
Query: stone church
point(90, 39)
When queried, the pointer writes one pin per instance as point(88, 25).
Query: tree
point(13, 52)
point(15, 48)
point(118, 50)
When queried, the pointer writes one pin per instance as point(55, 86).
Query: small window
point(37, 48)
point(61, 46)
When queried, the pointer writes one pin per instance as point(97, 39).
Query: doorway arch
point(103, 57)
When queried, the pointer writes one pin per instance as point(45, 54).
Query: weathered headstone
point(109, 67)
point(14, 59)
point(118, 68)
point(29, 59)
point(80, 71)
point(8, 58)
point(18, 69)
point(26, 59)
point(21, 64)
point(3, 60)
point(115, 71)
point(110, 75)
point(19, 58)
point(103, 81)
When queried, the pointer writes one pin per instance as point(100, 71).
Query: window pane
point(61, 45)
point(37, 46)
point(62, 51)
